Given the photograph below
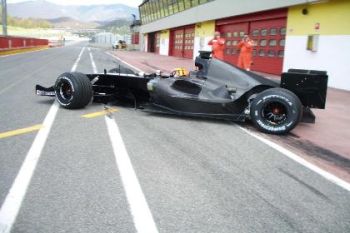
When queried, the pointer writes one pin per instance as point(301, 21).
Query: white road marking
point(330, 177)
point(142, 216)
point(126, 63)
point(78, 59)
point(94, 68)
point(12, 204)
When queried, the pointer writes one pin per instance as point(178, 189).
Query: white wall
point(143, 42)
point(164, 46)
point(333, 56)
point(201, 43)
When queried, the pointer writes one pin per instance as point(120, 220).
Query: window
point(187, 4)
point(194, 3)
point(271, 53)
point(228, 34)
point(241, 34)
point(234, 43)
point(175, 6)
point(165, 7)
point(283, 31)
point(273, 31)
point(273, 42)
point(263, 32)
point(228, 51)
point(228, 43)
point(263, 42)
point(170, 7)
point(161, 8)
point(261, 53)
point(282, 42)
point(255, 32)
point(235, 34)
point(181, 5)
point(157, 7)
point(281, 53)
point(255, 52)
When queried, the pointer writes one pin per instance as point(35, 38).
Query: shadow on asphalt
point(46, 101)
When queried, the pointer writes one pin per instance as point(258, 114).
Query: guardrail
point(14, 42)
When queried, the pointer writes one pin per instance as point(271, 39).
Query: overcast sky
point(133, 3)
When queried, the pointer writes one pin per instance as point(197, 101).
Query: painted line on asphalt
point(330, 177)
point(12, 204)
point(100, 113)
point(16, 132)
point(124, 62)
point(94, 68)
point(140, 211)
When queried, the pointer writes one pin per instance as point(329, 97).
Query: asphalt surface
point(196, 175)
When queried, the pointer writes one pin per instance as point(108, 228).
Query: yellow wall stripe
point(101, 113)
point(333, 16)
point(205, 29)
point(20, 131)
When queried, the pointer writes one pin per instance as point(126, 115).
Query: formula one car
point(215, 90)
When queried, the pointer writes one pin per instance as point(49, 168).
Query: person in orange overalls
point(245, 55)
point(218, 45)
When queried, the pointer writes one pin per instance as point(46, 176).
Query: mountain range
point(88, 13)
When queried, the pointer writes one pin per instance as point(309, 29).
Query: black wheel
point(73, 90)
point(276, 111)
point(122, 70)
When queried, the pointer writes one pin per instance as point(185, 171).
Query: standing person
point(218, 45)
point(245, 55)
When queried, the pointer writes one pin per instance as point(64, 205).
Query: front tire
point(73, 90)
point(276, 111)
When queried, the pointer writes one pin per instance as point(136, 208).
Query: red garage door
point(233, 34)
point(181, 42)
point(267, 29)
point(188, 42)
point(269, 36)
point(177, 42)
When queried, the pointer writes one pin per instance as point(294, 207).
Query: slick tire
point(121, 70)
point(276, 111)
point(73, 90)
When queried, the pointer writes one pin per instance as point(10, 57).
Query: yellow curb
point(22, 50)
point(20, 131)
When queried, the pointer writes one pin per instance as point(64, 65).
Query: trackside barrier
point(14, 43)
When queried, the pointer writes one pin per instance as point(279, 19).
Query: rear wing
point(309, 85)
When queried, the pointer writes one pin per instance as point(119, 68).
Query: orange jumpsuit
point(245, 56)
point(218, 46)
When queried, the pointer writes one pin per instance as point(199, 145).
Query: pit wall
point(328, 23)
point(10, 45)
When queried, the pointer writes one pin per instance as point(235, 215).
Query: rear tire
point(276, 111)
point(73, 90)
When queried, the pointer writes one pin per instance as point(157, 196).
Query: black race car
point(215, 90)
